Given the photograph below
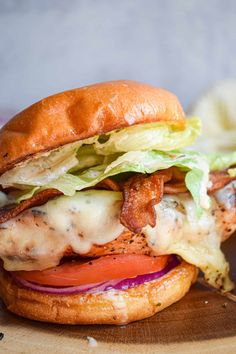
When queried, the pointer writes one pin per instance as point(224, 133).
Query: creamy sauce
point(42, 167)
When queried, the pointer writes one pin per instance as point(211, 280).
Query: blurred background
point(46, 46)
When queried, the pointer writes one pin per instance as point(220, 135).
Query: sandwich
point(106, 216)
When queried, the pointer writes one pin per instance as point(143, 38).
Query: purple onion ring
point(118, 284)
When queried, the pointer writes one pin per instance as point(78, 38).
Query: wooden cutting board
point(202, 322)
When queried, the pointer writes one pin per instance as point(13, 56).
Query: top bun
point(82, 113)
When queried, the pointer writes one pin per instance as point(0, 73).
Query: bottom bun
point(110, 307)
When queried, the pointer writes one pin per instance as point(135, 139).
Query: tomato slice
point(97, 270)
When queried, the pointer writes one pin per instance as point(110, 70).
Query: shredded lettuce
point(193, 163)
point(41, 170)
point(143, 148)
point(221, 161)
point(77, 156)
point(149, 136)
point(87, 157)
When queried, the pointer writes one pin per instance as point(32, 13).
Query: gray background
point(53, 45)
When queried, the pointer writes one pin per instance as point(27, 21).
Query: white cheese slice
point(197, 240)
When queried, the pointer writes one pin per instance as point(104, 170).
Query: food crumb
point(224, 305)
point(206, 302)
point(92, 341)
point(1, 336)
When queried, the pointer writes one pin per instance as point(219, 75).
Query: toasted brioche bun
point(82, 113)
point(111, 307)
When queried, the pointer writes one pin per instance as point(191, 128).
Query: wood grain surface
point(202, 322)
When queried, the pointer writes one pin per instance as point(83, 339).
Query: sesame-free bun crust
point(111, 307)
point(84, 112)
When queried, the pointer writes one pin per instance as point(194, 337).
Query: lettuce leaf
point(149, 136)
point(193, 163)
point(49, 166)
point(87, 157)
point(221, 161)
point(41, 169)
point(26, 194)
point(143, 148)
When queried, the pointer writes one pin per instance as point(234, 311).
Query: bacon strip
point(175, 188)
point(109, 184)
point(177, 183)
point(141, 193)
point(7, 213)
point(219, 180)
point(177, 174)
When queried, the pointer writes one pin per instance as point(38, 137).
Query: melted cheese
point(196, 240)
point(227, 195)
point(38, 238)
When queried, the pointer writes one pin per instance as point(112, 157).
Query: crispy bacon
point(109, 184)
point(219, 180)
point(177, 174)
point(175, 188)
point(7, 213)
point(141, 193)
point(167, 174)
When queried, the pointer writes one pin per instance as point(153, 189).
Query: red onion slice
point(120, 284)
